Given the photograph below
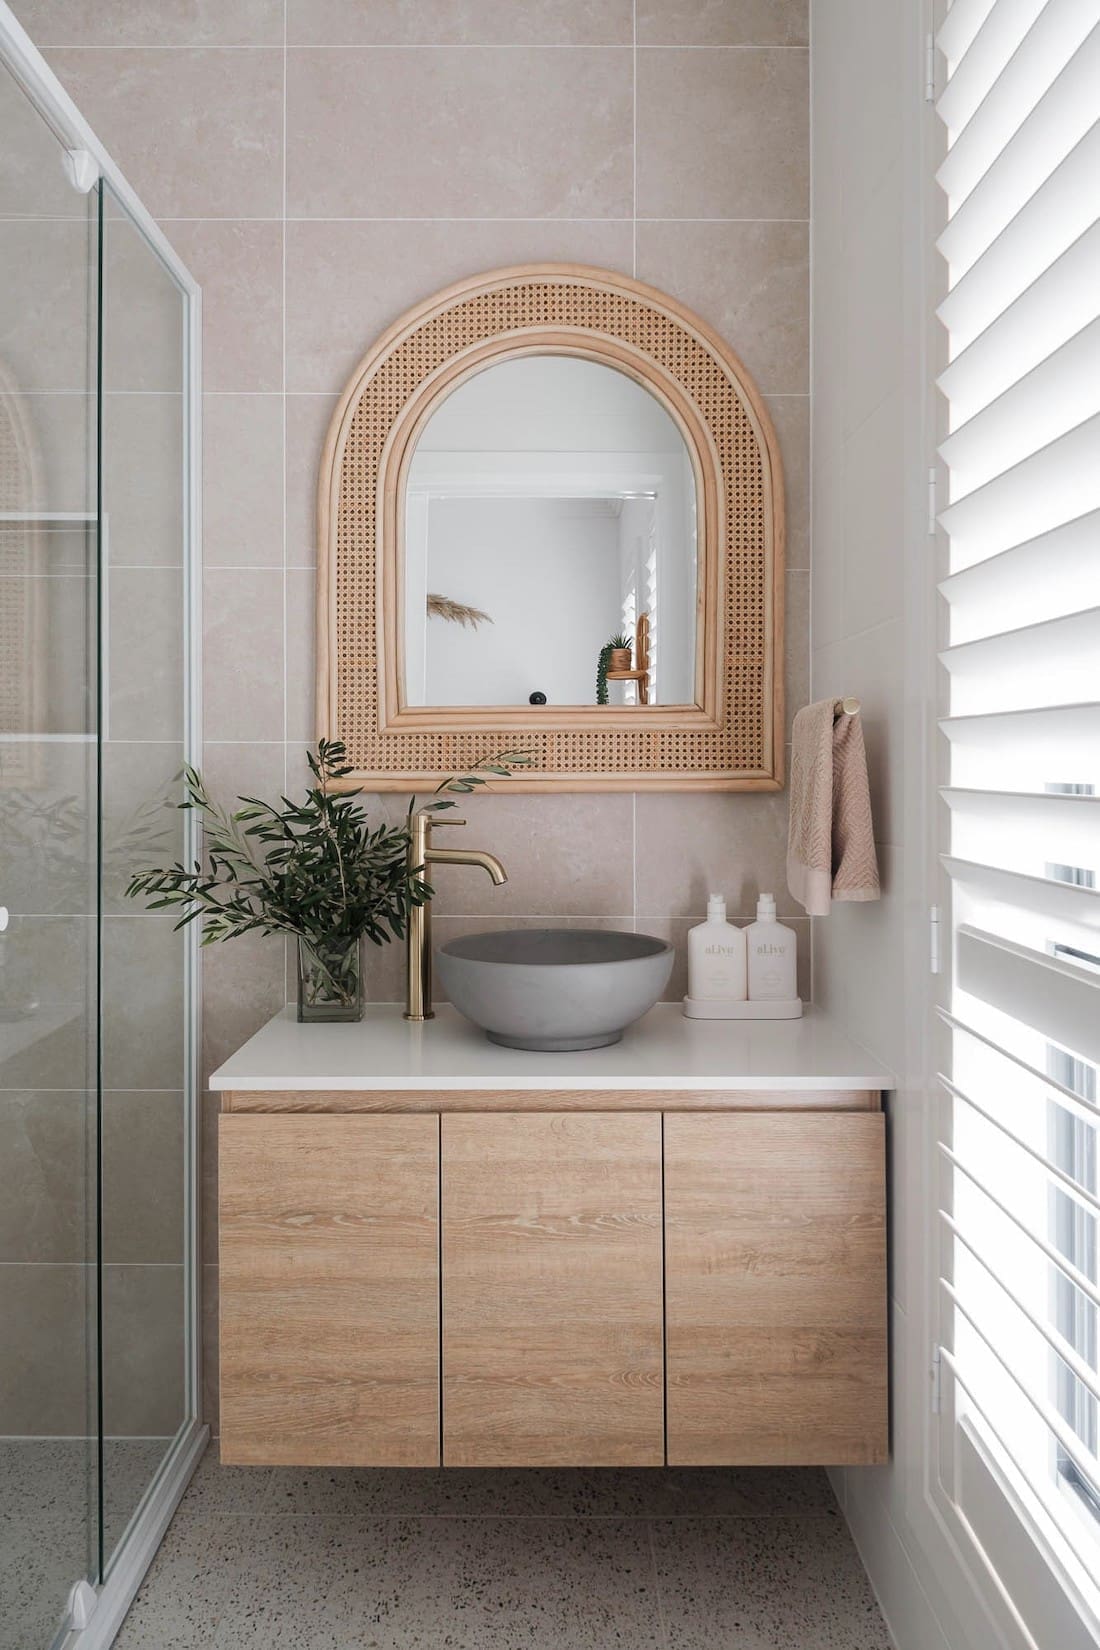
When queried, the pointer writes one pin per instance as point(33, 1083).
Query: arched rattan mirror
point(523, 468)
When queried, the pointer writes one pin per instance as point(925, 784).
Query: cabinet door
point(775, 1246)
point(552, 1297)
point(329, 1232)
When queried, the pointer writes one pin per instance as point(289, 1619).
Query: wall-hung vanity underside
point(669, 1251)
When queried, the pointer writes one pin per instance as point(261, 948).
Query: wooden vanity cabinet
point(775, 1278)
point(533, 1286)
point(329, 1298)
point(552, 1290)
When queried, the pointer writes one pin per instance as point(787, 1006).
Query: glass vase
point(330, 980)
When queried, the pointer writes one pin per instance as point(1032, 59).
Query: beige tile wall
point(323, 164)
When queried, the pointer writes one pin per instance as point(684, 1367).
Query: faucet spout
point(418, 976)
point(468, 856)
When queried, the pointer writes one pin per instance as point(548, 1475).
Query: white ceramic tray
point(697, 1008)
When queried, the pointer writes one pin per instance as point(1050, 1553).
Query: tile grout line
point(634, 139)
point(447, 46)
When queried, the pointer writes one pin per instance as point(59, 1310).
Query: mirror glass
point(550, 508)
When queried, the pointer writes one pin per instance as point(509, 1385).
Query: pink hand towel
point(831, 841)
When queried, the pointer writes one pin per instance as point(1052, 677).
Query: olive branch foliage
point(316, 869)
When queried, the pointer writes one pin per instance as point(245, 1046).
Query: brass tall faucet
point(418, 973)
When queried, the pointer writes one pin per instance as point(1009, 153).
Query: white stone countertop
point(663, 1050)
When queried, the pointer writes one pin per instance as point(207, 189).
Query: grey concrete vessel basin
point(554, 989)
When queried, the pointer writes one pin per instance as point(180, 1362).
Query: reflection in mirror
point(550, 512)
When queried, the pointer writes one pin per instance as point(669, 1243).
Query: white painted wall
point(547, 573)
point(872, 635)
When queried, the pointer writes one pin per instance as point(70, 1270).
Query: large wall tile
point(243, 985)
point(483, 133)
point(307, 421)
point(198, 132)
point(791, 416)
point(143, 1179)
point(240, 269)
point(48, 829)
point(723, 134)
point(142, 826)
point(143, 1029)
point(384, 969)
point(734, 845)
point(143, 497)
point(143, 311)
point(301, 655)
point(242, 481)
point(45, 1374)
point(143, 1351)
point(346, 282)
point(564, 855)
point(723, 23)
point(137, 23)
point(750, 281)
point(243, 653)
point(46, 999)
point(60, 429)
point(47, 1167)
point(459, 23)
point(47, 276)
point(248, 768)
point(145, 650)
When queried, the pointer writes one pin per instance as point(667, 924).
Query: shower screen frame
point(100, 1601)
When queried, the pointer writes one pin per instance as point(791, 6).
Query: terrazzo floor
point(48, 1523)
point(290, 1559)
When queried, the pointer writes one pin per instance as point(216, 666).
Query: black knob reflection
point(537, 699)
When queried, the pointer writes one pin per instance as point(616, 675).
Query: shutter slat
point(1054, 485)
point(1053, 997)
point(1055, 61)
point(1060, 901)
point(958, 29)
point(990, 49)
point(1060, 211)
point(1065, 298)
point(1056, 573)
point(1050, 663)
point(1055, 396)
point(1026, 747)
point(1063, 830)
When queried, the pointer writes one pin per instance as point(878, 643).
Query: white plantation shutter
point(1020, 1216)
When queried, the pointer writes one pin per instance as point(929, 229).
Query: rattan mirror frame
point(732, 738)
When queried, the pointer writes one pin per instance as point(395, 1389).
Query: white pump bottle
point(716, 957)
point(772, 956)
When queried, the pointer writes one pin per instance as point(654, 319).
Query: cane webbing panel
point(594, 306)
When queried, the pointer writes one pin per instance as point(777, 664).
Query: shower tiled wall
point(323, 164)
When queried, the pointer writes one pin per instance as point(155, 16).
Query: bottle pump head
point(716, 908)
point(765, 908)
